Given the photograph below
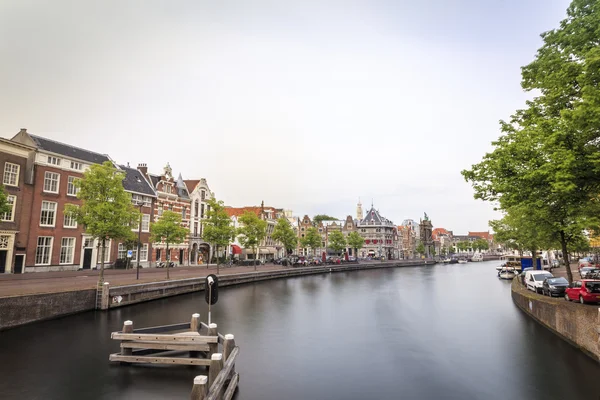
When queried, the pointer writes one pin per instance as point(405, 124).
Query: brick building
point(17, 162)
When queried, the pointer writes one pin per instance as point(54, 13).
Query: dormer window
point(53, 160)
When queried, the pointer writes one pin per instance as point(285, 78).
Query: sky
point(305, 105)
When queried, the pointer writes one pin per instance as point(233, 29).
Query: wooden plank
point(166, 338)
point(159, 360)
point(165, 346)
point(221, 337)
point(163, 328)
point(232, 386)
point(217, 386)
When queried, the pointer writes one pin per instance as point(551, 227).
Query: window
point(11, 174)
point(43, 250)
point(160, 210)
point(138, 199)
point(107, 254)
point(69, 220)
point(202, 195)
point(196, 207)
point(195, 229)
point(48, 216)
point(183, 213)
point(146, 223)
point(67, 250)
point(122, 253)
point(51, 182)
point(53, 160)
point(76, 166)
point(12, 201)
point(72, 190)
point(143, 252)
point(201, 210)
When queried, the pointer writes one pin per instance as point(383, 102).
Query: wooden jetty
point(188, 343)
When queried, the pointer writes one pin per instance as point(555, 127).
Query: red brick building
point(17, 162)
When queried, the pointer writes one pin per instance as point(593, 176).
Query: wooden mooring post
point(183, 344)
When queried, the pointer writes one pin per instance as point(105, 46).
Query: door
point(87, 258)
point(19, 261)
point(3, 254)
point(180, 257)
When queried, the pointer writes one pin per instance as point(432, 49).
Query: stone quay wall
point(576, 323)
point(20, 310)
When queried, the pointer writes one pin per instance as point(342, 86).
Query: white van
point(535, 278)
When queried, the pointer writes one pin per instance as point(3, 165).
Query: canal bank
point(20, 310)
point(576, 323)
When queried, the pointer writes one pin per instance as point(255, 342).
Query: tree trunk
point(168, 260)
point(534, 258)
point(102, 260)
point(255, 257)
point(563, 244)
point(217, 247)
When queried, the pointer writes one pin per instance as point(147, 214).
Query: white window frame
point(12, 212)
point(75, 164)
point(143, 250)
point(66, 215)
point(121, 251)
point(145, 222)
point(71, 184)
point(72, 255)
point(52, 160)
point(54, 216)
point(47, 178)
point(11, 174)
point(49, 254)
point(107, 255)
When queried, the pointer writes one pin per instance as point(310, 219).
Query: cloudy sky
point(304, 104)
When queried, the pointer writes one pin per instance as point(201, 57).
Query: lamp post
point(139, 244)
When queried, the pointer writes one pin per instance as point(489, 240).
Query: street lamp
point(139, 244)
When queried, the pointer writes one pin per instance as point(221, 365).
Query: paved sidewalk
point(64, 281)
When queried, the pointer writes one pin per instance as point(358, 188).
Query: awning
point(235, 249)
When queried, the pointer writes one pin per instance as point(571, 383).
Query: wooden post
point(105, 297)
point(200, 388)
point(213, 347)
point(127, 328)
point(216, 365)
point(228, 346)
point(195, 324)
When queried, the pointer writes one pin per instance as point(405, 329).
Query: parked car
point(583, 272)
point(586, 291)
point(555, 264)
point(554, 286)
point(534, 279)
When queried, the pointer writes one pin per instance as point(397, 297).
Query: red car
point(586, 291)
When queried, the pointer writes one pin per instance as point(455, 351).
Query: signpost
point(211, 291)
point(129, 255)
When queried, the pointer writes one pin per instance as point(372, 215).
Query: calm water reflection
point(440, 332)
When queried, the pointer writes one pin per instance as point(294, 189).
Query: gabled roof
point(135, 182)
point(483, 235)
point(68, 150)
point(181, 189)
point(237, 211)
point(154, 179)
point(191, 184)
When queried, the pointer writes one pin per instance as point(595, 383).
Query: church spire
point(359, 210)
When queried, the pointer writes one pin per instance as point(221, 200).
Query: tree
point(420, 248)
point(356, 242)
point(312, 239)
point(5, 206)
point(337, 241)
point(284, 233)
point(106, 211)
point(218, 229)
point(168, 229)
point(322, 217)
point(443, 251)
point(252, 232)
point(547, 160)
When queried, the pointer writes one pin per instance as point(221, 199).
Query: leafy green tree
point(355, 241)
point(284, 233)
point(5, 206)
point(337, 241)
point(312, 239)
point(106, 210)
point(443, 251)
point(252, 232)
point(420, 249)
point(218, 229)
point(322, 217)
point(168, 229)
point(548, 158)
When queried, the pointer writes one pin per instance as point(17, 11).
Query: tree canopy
point(106, 211)
point(336, 241)
point(322, 217)
point(252, 232)
point(355, 241)
point(312, 239)
point(547, 160)
point(168, 229)
point(218, 229)
point(420, 249)
point(5, 206)
point(284, 233)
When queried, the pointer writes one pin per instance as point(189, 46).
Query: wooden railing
point(189, 343)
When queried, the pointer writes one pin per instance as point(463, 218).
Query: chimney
point(143, 168)
point(23, 130)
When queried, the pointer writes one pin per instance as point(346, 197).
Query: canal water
point(436, 332)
